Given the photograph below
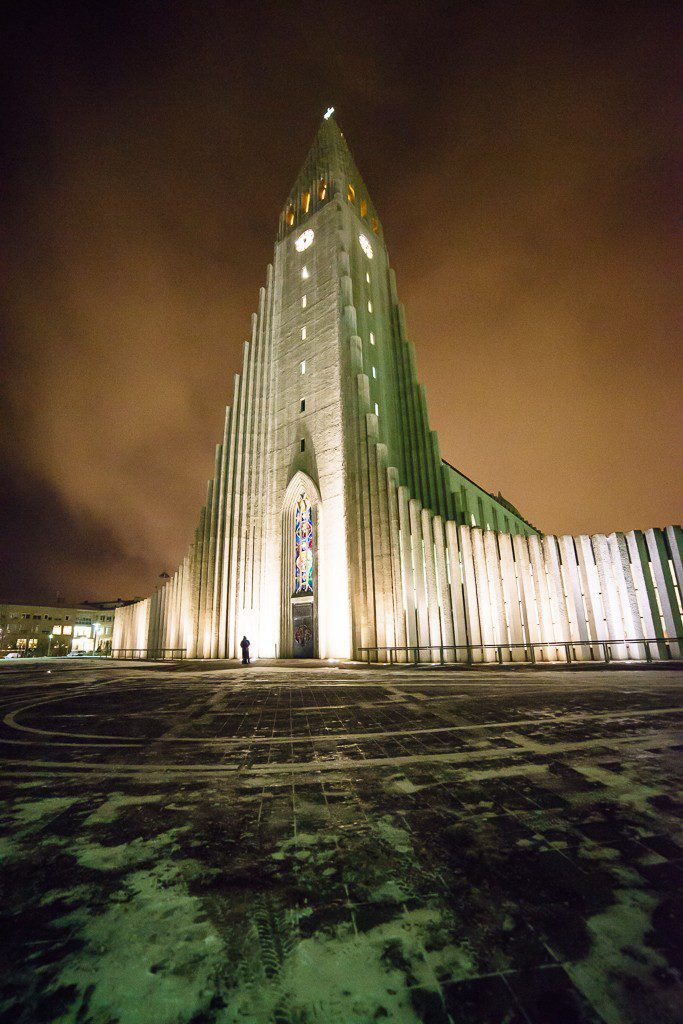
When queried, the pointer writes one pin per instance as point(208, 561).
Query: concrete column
point(527, 591)
point(630, 614)
point(415, 509)
point(445, 603)
point(511, 595)
point(367, 616)
point(207, 578)
point(545, 618)
point(592, 597)
point(354, 425)
point(558, 603)
point(397, 575)
point(224, 464)
point(610, 597)
point(645, 592)
point(433, 608)
point(233, 518)
point(486, 608)
point(578, 629)
point(385, 545)
point(674, 538)
point(375, 536)
point(659, 561)
point(245, 508)
point(493, 575)
point(470, 598)
point(211, 571)
point(408, 573)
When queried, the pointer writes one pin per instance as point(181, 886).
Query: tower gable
point(329, 171)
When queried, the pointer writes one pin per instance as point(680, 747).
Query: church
point(334, 529)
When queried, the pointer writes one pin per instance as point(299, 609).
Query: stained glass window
point(303, 546)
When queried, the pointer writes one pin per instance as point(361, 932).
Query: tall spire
point(329, 169)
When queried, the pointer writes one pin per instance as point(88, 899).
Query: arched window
point(306, 201)
point(322, 189)
point(290, 216)
point(351, 194)
point(303, 546)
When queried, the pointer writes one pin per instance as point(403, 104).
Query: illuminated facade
point(332, 524)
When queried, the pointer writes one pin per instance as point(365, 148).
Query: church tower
point(332, 527)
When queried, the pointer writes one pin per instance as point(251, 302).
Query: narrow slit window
point(302, 367)
point(290, 216)
point(372, 338)
point(351, 194)
point(363, 207)
point(374, 373)
point(304, 273)
point(322, 189)
point(306, 202)
point(369, 307)
point(375, 224)
point(302, 405)
point(303, 333)
point(376, 409)
point(302, 444)
point(303, 301)
point(367, 277)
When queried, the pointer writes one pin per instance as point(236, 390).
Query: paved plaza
point(336, 845)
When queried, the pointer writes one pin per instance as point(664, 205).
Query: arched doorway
point(300, 568)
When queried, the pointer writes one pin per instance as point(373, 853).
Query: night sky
point(522, 159)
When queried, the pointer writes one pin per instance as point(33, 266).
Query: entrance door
point(302, 625)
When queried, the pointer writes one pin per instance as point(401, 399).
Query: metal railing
point(149, 654)
point(666, 648)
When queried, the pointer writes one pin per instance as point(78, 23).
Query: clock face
point(304, 240)
point(365, 246)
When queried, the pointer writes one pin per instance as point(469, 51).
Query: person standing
point(244, 644)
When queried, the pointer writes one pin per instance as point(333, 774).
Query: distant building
point(39, 630)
